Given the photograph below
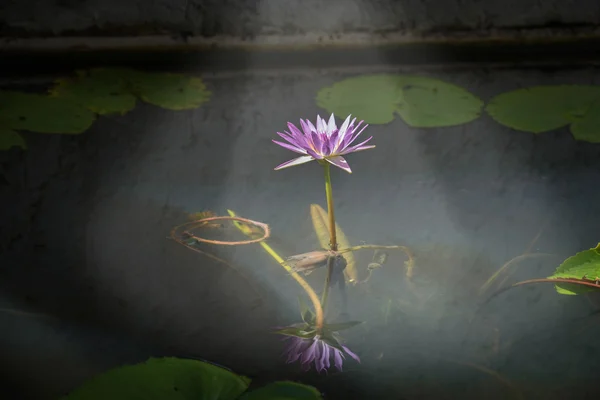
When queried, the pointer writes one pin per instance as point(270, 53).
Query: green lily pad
point(585, 263)
point(431, 103)
point(170, 91)
point(420, 101)
point(101, 90)
point(44, 114)
point(283, 391)
point(373, 98)
point(544, 108)
point(163, 379)
point(587, 129)
point(10, 138)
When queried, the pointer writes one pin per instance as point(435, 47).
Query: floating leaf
point(583, 264)
point(420, 101)
point(283, 391)
point(587, 129)
point(320, 222)
point(10, 138)
point(101, 90)
point(44, 114)
point(430, 103)
point(164, 379)
point(373, 98)
point(544, 108)
point(170, 91)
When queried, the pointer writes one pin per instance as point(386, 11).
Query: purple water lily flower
point(323, 142)
point(317, 351)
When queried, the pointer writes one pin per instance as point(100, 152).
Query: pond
point(91, 278)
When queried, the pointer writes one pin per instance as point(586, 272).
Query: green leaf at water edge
point(544, 108)
point(585, 263)
point(101, 90)
point(44, 114)
point(170, 91)
point(420, 101)
point(283, 391)
point(163, 379)
point(10, 138)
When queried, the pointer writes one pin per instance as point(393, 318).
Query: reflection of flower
point(317, 350)
point(323, 142)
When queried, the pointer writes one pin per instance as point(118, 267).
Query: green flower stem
point(332, 234)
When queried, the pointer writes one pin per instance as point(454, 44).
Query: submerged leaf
point(170, 91)
point(320, 222)
point(44, 114)
point(583, 265)
point(283, 391)
point(164, 379)
point(303, 331)
point(342, 326)
point(420, 101)
point(544, 108)
point(101, 90)
point(10, 138)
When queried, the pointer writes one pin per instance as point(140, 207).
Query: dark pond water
point(86, 218)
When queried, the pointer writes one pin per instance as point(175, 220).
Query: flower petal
point(347, 350)
point(339, 162)
point(343, 131)
point(311, 127)
point(352, 149)
point(308, 355)
point(337, 358)
point(331, 126)
point(290, 147)
point(321, 125)
point(294, 130)
point(290, 139)
point(294, 162)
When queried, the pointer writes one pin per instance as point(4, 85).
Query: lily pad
point(431, 103)
point(420, 101)
point(373, 98)
point(587, 129)
point(164, 379)
point(583, 264)
point(170, 91)
point(44, 114)
point(101, 90)
point(544, 108)
point(10, 138)
point(283, 391)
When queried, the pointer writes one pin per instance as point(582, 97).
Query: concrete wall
point(283, 17)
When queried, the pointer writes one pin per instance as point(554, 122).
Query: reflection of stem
point(332, 236)
point(546, 280)
point(526, 254)
point(509, 263)
point(307, 288)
